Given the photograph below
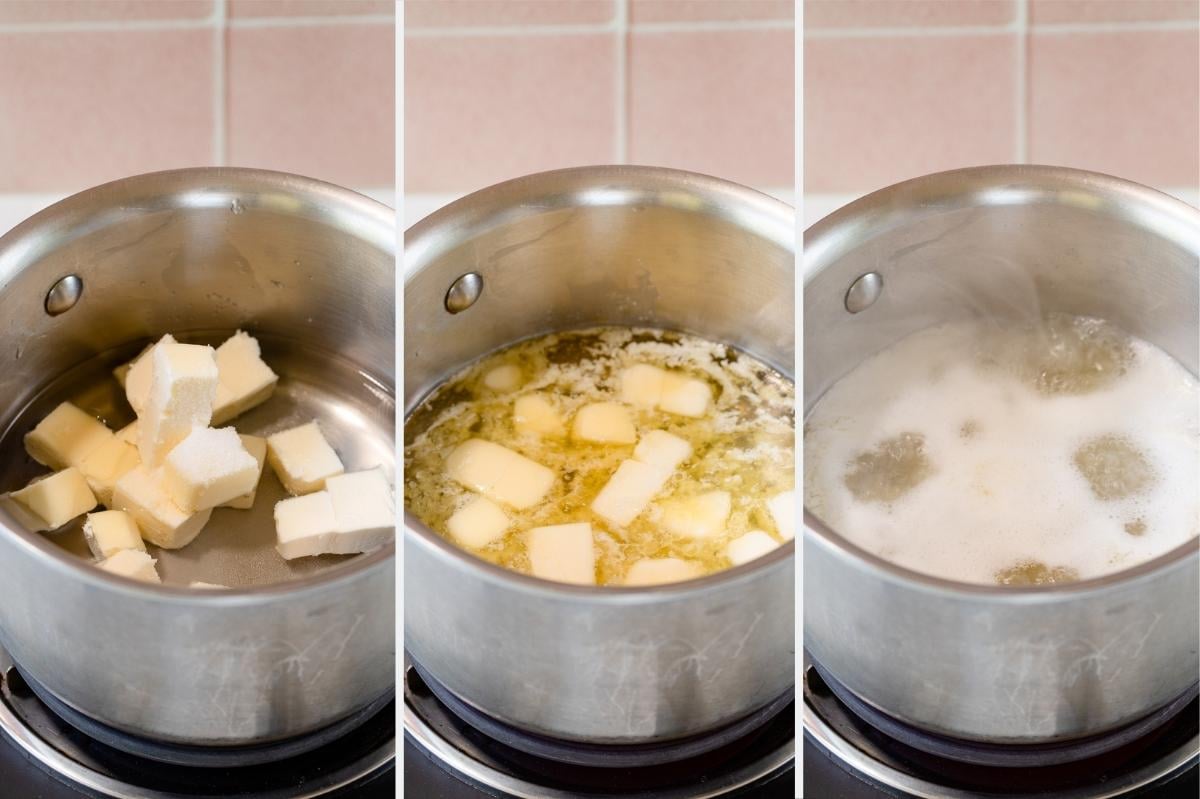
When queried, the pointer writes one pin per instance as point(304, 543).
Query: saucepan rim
point(198, 187)
point(994, 185)
point(598, 185)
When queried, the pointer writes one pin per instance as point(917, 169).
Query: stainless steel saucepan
point(296, 648)
point(569, 249)
point(991, 664)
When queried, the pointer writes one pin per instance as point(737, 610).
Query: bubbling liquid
point(1019, 456)
point(744, 444)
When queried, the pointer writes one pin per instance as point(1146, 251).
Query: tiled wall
point(896, 89)
point(497, 90)
point(92, 90)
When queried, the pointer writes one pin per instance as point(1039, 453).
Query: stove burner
point(763, 757)
point(1132, 736)
point(604, 756)
point(361, 757)
point(880, 759)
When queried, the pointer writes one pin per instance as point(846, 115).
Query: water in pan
point(237, 547)
point(745, 443)
point(1015, 455)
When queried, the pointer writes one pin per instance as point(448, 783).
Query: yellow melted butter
point(744, 444)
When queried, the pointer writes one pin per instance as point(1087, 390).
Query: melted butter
point(744, 444)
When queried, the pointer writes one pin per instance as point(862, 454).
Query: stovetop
point(445, 757)
point(845, 757)
point(43, 756)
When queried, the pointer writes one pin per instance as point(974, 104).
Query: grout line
point(621, 150)
point(1119, 27)
point(1021, 23)
point(620, 21)
point(1021, 90)
point(311, 22)
point(104, 26)
point(699, 26)
point(512, 30)
point(916, 32)
point(219, 83)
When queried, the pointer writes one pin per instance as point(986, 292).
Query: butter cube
point(65, 437)
point(110, 531)
point(478, 523)
point(303, 459)
point(363, 510)
point(533, 413)
point(354, 514)
point(685, 396)
point(107, 464)
point(207, 586)
point(660, 448)
point(209, 468)
point(141, 494)
point(135, 376)
point(642, 385)
point(746, 548)
point(656, 571)
point(131, 563)
point(304, 525)
point(257, 447)
point(604, 423)
point(183, 386)
point(629, 491)
point(56, 500)
point(243, 379)
point(499, 473)
point(503, 379)
point(783, 511)
point(699, 516)
point(563, 552)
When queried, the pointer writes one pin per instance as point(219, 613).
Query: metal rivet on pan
point(464, 292)
point(63, 295)
point(863, 292)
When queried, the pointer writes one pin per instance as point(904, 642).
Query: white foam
point(1010, 491)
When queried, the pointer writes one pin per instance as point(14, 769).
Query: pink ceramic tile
point(32, 11)
point(83, 108)
point(319, 101)
point(1122, 103)
point(308, 8)
point(905, 13)
point(467, 13)
point(482, 109)
point(880, 110)
point(709, 10)
point(719, 102)
point(1049, 12)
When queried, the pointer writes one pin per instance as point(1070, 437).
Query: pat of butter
point(207, 586)
point(533, 413)
point(685, 396)
point(604, 423)
point(135, 376)
point(257, 447)
point(746, 548)
point(131, 563)
point(642, 385)
point(110, 531)
point(141, 494)
point(699, 516)
point(503, 379)
point(564, 553)
point(183, 385)
point(783, 512)
point(107, 464)
point(353, 514)
point(209, 468)
point(629, 491)
point(303, 459)
point(656, 571)
point(65, 437)
point(478, 523)
point(56, 499)
point(499, 473)
point(243, 379)
point(663, 450)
